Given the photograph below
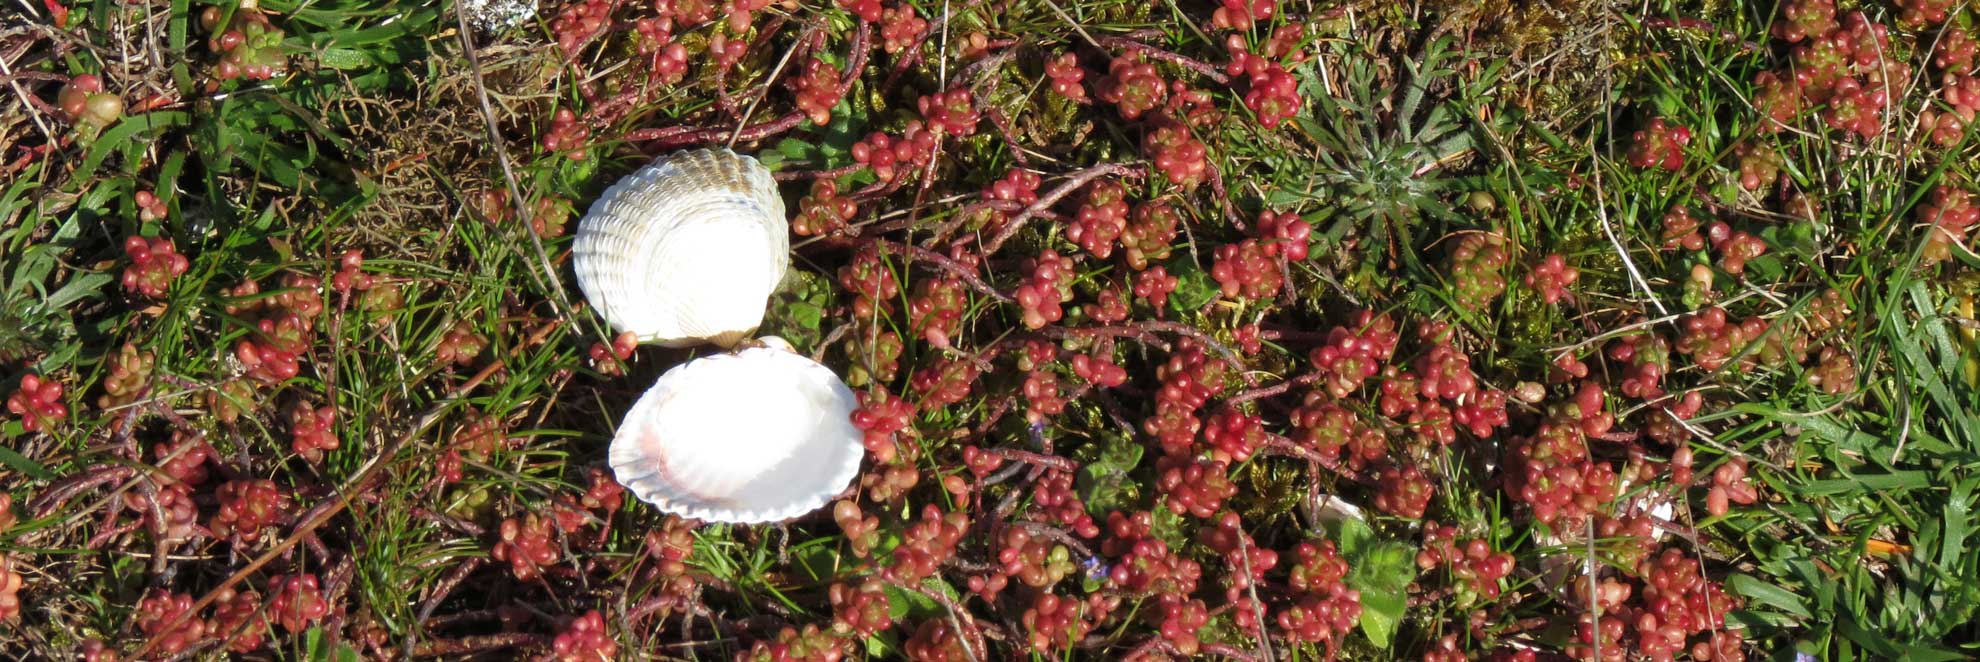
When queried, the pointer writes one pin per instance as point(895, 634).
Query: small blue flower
point(1095, 570)
point(1038, 434)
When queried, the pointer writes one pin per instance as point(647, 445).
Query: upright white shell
point(760, 435)
point(687, 250)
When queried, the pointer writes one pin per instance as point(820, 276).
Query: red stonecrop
point(579, 22)
point(793, 645)
point(867, 10)
point(926, 544)
point(1729, 486)
point(527, 546)
point(1066, 75)
point(1240, 14)
point(1476, 269)
point(156, 615)
point(893, 156)
point(39, 403)
point(310, 431)
point(1551, 278)
point(666, 57)
point(1133, 86)
point(566, 135)
point(460, 345)
point(817, 90)
point(1248, 269)
point(1948, 216)
point(1660, 145)
point(863, 610)
point(247, 507)
point(935, 309)
point(1806, 18)
point(150, 208)
point(1735, 247)
point(609, 360)
point(1403, 491)
point(297, 603)
point(1049, 285)
point(900, 28)
point(1759, 165)
point(1101, 220)
point(1472, 563)
point(1193, 488)
point(1325, 609)
point(1154, 286)
point(1274, 94)
point(1175, 151)
point(952, 112)
point(10, 588)
point(585, 640)
point(154, 264)
point(238, 617)
point(1711, 338)
point(84, 101)
point(823, 211)
point(880, 416)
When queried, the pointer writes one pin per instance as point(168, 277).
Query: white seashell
point(687, 250)
point(760, 435)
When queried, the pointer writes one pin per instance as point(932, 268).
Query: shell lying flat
point(686, 250)
point(761, 435)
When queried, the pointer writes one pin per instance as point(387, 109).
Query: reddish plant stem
point(107, 530)
point(961, 216)
point(947, 228)
point(966, 274)
point(680, 136)
point(1010, 138)
point(1221, 649)
point(480, 643)
point(1278, 445)
point(1065, 188)
point(158, 533)
point(1224, 197)
point(1057, 535)
point(1229, 356)
point(337, 582)
point(1142, 335)
point(879, 190)
point(976, 71)
point(441, 590)
point(912, 56)
point(1028, 457)
point(58, 494)
point(1275, 389)
point(969, 625)
point(1206, 69)
point(1702, 25)
point(795, 175)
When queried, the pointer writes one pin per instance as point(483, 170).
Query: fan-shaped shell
point(760, 435)
point(686, 250)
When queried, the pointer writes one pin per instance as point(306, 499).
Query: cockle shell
point(759, 435)
point(686, 250)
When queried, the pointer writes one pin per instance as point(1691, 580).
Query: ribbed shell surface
point(761, 435)
point(686, 250)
